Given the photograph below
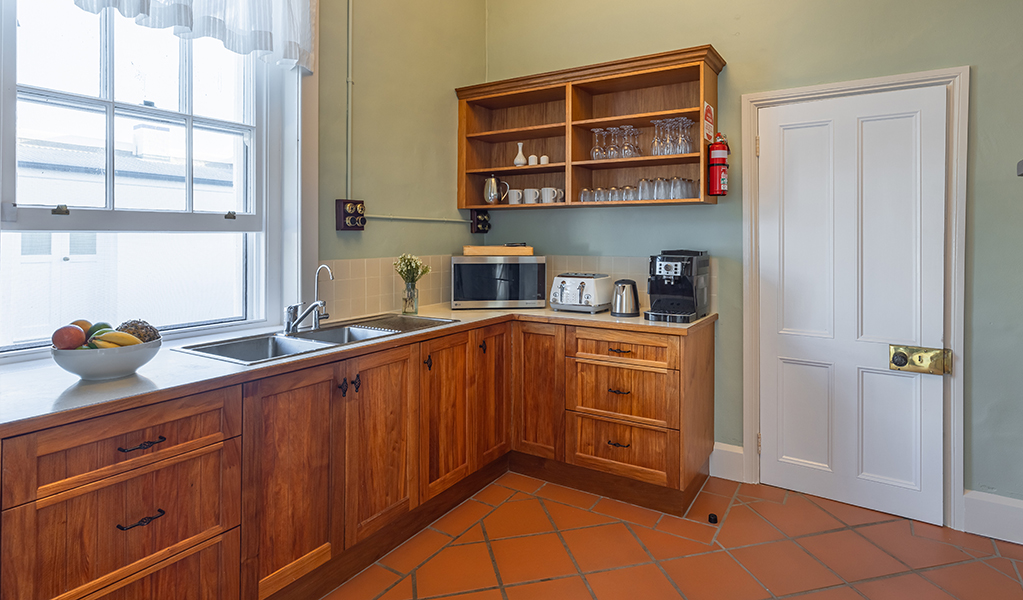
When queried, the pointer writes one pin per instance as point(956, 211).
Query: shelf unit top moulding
point(554, 114)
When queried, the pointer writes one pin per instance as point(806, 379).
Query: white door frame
point(957, 84)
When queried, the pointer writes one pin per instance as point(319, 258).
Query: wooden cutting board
point(497, 250)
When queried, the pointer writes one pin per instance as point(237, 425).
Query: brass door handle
point(914, 359)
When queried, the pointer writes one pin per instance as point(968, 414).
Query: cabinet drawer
point(649, 454)
point(208, 571)
point(644, 395)
point(55, 460)
point(626, 347)
point(74, 543)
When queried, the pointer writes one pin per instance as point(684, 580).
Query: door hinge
point(758, 145)
point(758, 443)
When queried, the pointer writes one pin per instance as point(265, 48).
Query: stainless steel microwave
point(498, 281)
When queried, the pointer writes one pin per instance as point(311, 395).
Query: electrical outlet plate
point(350, 215)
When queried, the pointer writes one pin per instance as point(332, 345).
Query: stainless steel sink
point(256, 349)
point(345, 334)
point(273, 346)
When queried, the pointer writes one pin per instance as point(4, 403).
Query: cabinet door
point(446, 449)
point(287, 497)
point(490, 369)
point(381, 406)
point(539, 397)
point(208, 571)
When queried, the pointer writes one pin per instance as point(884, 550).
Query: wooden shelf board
point(520, 133)
point(638, 120)
point(512, 170)
point(639, 161)
point(644, 79)
point(710, 200)
point(521, 98)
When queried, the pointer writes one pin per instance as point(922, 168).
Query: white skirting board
point(726, 461)
point(990, 515)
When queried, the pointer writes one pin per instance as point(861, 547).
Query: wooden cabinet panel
point(381, 441)
point(490, 369)
point(287, 486)
point(55, 460)
point(74, 543)
point(207, 571)
point(446, 416)
point(642, 395)
point(624, 347)
point(539, 389)
point(641, 452)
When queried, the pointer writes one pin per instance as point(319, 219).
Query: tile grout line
point(748, 572)
point(660, 567)
point(493, 559)
point(568, 550)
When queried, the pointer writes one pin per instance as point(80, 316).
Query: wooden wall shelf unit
point(555, 113)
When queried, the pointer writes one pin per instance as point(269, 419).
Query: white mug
point(533, 159)
point(514, 196)
point(561, 195)
point(548, 195)
point(530, 195)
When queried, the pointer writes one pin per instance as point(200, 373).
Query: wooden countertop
point(38, 394)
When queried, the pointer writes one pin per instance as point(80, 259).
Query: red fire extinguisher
point(717, 182)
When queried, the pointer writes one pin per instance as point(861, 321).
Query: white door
point(851, 225)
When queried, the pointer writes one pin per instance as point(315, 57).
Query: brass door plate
point(933, 361)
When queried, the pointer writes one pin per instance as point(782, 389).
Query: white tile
point(342, 269)
point(358, 268)
point(621, 264)
point(432, 297)
point(373, 304)
point(356, 289)
point(588, 264)
point(359, 307)
point(573, 263)
point(386, 266)
point(373, 286)
point(604, 264)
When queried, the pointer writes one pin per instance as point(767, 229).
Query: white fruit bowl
point(106, 363)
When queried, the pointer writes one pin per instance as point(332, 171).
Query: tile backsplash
point(365, 286)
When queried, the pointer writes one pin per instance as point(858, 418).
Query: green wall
point(409, 55)
point(777, 45)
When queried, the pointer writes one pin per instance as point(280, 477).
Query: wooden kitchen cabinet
point(539, 389)
point(208, 571)
point(292, 519)
point(490, 371)
point(556, 114)
point(381, 398)
point(446, 414)
point(71, 544)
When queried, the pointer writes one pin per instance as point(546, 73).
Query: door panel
point(446, 453)
point(539, 389)
point(851, 224)
point(491, 373)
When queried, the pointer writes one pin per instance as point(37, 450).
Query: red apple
point(68, 337)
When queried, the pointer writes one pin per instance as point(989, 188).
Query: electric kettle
point(625, 301)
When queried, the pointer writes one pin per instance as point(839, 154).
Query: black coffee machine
point(678, 286)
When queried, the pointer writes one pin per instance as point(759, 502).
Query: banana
point(98, 344)
point(118, 338)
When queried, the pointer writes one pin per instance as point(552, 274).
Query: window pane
point(146, 63)
point(58, 46)
point(82, 243)
point(61, 155)
point(218, 81)
point(149, 164)
point(168, 279)
point(36, 244)
point(218, 174)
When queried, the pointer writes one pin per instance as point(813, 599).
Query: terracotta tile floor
point(525, 539)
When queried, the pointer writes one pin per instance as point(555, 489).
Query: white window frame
point(274, 210)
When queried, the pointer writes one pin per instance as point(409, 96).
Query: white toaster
point(581, 292)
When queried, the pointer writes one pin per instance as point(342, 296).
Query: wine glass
point(614, 149)
point(657, 146)
point(629, 149)
point(598, 152)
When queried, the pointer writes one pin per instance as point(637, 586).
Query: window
point(156, 145)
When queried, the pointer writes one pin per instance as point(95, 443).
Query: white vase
point(520, 158)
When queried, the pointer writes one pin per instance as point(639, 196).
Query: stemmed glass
point(614, 149)
point(629, 149)
point(685, 141)
point(657, 146)
point(598, 152)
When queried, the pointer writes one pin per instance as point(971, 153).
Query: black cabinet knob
point(899, 359)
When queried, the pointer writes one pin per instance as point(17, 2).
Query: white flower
point(410, 268)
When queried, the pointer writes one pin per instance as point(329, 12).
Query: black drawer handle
point(344, 387)
point(143, 445)
point(619, 392)
point(617, 351)
point(144, 521)
point(617, 445)
point(429, 362)
point(484, 346)
point(357, 382)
